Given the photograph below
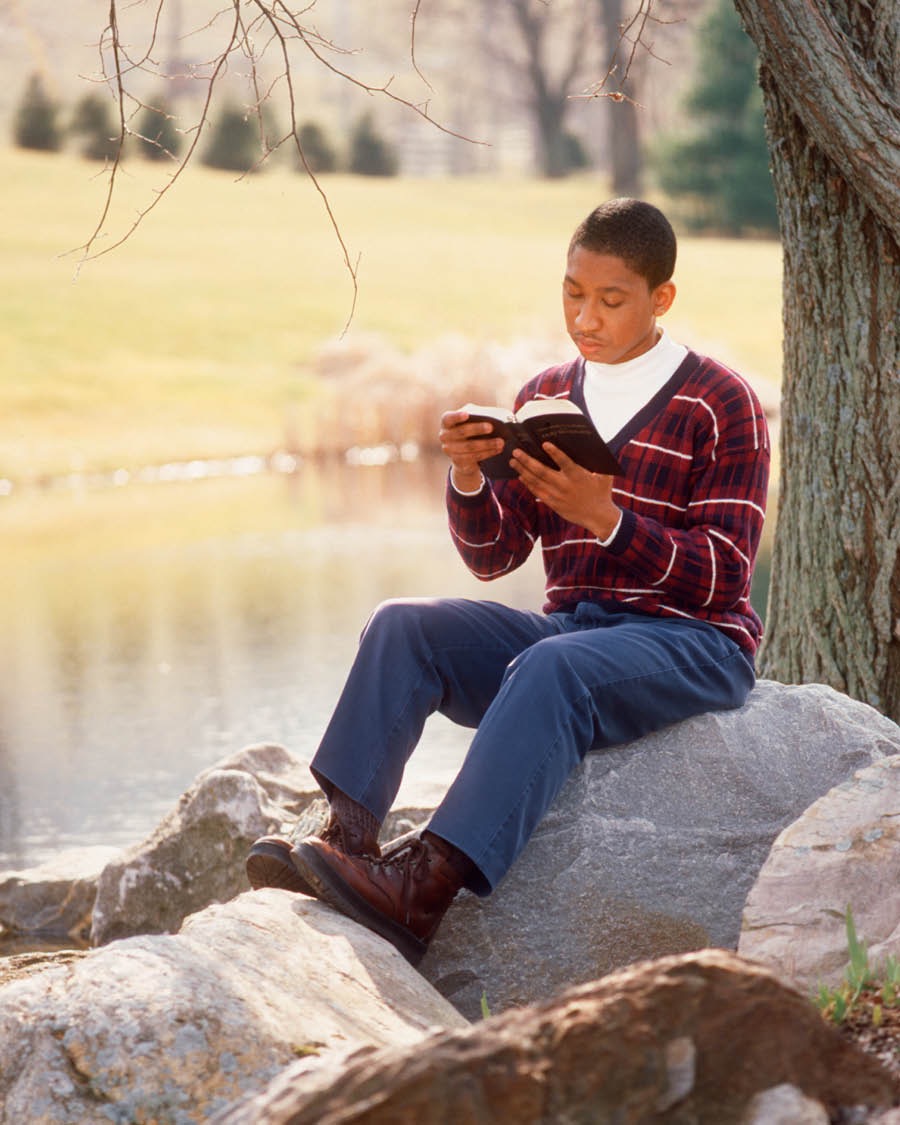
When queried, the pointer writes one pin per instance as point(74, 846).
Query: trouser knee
point(392, 621)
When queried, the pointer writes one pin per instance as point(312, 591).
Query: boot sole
point(269, 864)
point(331, 888)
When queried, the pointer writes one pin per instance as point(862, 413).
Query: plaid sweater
point(695, 463)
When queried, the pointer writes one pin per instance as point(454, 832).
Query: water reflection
point(150, 631)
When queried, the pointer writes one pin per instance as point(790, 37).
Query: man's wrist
point(468, 483)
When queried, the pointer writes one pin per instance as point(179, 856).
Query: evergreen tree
point(35, 125)
point(721, 166)
point(319, 153)
point(92, 121)
point(370, 153)
point(234, 145)
point(159, 138)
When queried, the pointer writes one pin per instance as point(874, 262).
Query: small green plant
point(485, 1008)
point(836, 1004)
point(304, 1050)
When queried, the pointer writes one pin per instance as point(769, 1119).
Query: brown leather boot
point(351, 829)
point(403, 895)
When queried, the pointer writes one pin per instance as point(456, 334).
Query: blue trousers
point(542, 691)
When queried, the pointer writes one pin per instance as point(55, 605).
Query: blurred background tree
point(719, 168)
point(94, 126)
point(370, 153)
point(318, 152)
point(35, 123)
point(157, 130)
point(234, 143)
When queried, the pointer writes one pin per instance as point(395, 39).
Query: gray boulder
point(704, 1037)
point(196, 854)
point(652, 848)
point(56, 899)
point(172, 1028)
point(843, 851)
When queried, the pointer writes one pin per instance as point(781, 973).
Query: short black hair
point(634, 231)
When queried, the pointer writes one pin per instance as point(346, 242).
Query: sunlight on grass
point(196, 337)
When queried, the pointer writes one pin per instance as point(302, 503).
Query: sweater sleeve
point(493, 530)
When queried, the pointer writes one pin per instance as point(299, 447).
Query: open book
point(557, 420)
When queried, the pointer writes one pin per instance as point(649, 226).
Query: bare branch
point(277, 26)
point(634, 32)
point(87, 250)
point(412, 44)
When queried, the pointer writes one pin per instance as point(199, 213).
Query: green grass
point(195, 337)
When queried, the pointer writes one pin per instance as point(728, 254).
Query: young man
point(647, 618)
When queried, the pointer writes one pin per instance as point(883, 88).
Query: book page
point(539, 406)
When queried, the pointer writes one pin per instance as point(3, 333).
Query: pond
point(151, 630)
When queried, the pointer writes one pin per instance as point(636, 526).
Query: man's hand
point(575, 494)
point(456, 437)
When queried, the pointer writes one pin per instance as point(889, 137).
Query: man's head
point(634, 231)
point(618, 280)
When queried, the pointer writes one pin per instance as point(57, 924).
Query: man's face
point(610, 310)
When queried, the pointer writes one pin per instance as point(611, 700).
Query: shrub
point(577, 158)
point(234, 145)
point(158, 138)
point(35, 124)
point(92, 121)
point(319, 154)
point(370, 153)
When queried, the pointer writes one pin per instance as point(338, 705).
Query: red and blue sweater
point(695, 463)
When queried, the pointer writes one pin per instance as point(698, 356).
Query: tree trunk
point(828, 70)
point(550, 118)
point(549, 95)
point(625, 158)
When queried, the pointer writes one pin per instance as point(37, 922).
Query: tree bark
point(828, 71)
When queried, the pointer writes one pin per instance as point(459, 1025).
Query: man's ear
point(662, 298)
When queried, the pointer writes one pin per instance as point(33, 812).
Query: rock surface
point(57, 898)
point(702, 1037)
point(652, 848)
point(170, 1029)
point(196, 854)
point(843, 851)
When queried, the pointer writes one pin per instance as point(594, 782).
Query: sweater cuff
point(607, 542)
point(454, 494)
point(621, 538)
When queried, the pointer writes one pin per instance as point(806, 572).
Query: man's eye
point(613, 304)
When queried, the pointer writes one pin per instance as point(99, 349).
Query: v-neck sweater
point(695, 461)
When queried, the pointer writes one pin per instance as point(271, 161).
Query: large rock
point(843, 851)
point(55, 899)
point(196, 854)
point(652, 848)
point(704, 1037)
point(170, 1029)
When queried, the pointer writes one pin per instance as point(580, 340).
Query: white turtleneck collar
point(615, 392)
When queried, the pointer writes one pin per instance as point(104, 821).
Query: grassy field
point(196, 337)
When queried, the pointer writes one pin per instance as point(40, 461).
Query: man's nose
point(589, 315)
